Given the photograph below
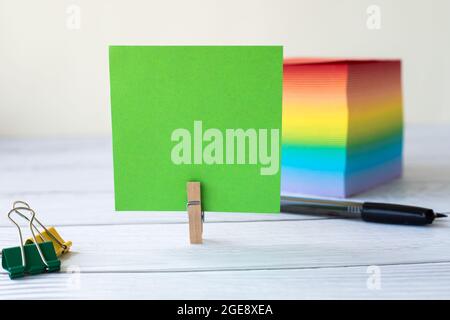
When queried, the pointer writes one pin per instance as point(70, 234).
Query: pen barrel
point(396, 214)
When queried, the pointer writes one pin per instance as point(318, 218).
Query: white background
point(54, 80)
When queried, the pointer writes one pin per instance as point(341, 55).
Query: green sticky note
point(196, 113)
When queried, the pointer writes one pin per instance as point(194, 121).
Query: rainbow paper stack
point(342, 125)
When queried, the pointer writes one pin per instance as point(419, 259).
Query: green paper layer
point(157, 89)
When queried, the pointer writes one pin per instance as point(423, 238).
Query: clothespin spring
point(196, 203)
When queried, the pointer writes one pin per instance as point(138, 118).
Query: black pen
point(367, 211)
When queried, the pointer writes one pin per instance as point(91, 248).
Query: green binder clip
point(32, 258)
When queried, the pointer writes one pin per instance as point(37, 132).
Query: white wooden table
point(245, 256)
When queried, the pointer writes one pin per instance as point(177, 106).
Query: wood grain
point(405, 281)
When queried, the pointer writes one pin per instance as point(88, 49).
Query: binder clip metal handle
point(48, 234)
point(30, 220)
point(17, 205)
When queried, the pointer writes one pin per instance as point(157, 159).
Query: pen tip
point(441, 215)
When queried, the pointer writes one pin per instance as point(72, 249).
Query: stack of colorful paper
point(342, 125)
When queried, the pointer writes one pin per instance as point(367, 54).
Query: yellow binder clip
point(48, 234)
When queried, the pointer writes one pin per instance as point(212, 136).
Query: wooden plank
point(395, 282)
point(256, 245)
point(86, 208)
point(73, 180)
point(66, 209)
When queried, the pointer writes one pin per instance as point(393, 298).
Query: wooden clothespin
point(195, 212)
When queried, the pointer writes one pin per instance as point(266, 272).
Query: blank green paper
point(196, 113)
